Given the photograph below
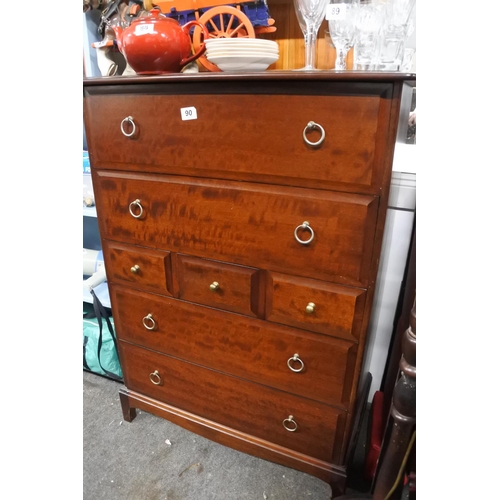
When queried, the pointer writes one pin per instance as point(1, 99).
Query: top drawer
point(252, 137)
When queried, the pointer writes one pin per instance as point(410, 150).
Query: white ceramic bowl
point(243, 63)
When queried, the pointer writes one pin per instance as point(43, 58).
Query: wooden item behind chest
point(241, 218)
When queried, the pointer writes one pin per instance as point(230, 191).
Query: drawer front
point(242, 223)
point(236, 403)
point(245, 347)
point(224, 143)
point(147, 268)
point(215, 284)
point(315, 305)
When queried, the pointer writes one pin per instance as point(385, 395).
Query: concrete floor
point(153, 459)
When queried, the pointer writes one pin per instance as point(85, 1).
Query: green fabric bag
point(100, 352)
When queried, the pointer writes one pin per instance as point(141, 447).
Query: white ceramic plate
point(252, 67)
point(244, 58)
point(238, 53)
point(231, 46)
point(254, 48)
point(240, 42)
point(243, 63)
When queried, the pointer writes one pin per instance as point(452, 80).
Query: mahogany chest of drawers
point(241, 218)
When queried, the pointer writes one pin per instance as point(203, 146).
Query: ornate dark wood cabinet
point(241, 218)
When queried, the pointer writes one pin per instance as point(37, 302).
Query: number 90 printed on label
point(189, 113)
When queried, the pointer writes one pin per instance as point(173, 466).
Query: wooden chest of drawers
point(241, 248)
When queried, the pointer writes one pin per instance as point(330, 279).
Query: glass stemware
point(342, 28)
point(397, 26)
point(369, 22)
point(329, 41)
point(310, 13)
point(300, 19)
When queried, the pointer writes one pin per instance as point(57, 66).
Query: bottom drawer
point(315, 429)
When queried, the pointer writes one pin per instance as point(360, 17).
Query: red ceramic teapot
point(156, 44)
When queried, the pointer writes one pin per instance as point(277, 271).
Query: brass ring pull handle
point(132, 209)
point(311, 126)
point(214, 286)
point(288, 421)
point(134, 269)
point(310, 307)
point(155, 378)
point(296, 358)
point(130, 120)
point(304, 225)
point(148, 322)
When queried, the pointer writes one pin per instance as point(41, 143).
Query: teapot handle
point(201, 50)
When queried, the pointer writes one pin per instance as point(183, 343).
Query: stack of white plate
point(242, 54)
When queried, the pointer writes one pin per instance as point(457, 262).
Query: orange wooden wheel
point(222, 22)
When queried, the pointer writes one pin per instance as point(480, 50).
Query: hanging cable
point(403, 464)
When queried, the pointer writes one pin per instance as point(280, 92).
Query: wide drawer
point(246, 135)
point(315, 305)
point(236, 403)
point(229, 287)
point(145, 267)
point(243, 223)
point(249, 348)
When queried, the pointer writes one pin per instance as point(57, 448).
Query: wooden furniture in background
point(242, 218)
point(400, 434)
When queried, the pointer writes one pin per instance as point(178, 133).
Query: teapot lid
point(153, 16)
point(155, 13)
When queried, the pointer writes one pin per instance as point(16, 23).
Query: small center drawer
point(315, 305)
point(239, 404)
point(229, 287)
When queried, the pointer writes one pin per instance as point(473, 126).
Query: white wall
point(395, 248)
